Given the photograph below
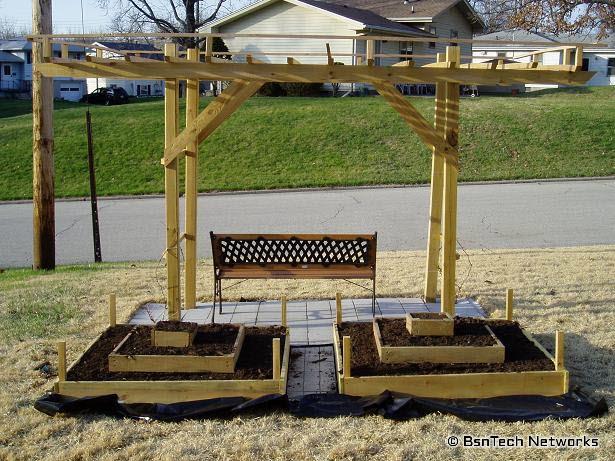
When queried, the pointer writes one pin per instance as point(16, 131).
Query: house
point(138, 88)
point(410, 18)
point(16, 74)
point(595, 59)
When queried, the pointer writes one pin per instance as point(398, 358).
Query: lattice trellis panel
point(295, 251)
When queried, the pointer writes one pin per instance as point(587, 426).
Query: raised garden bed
point(215, 348)
point(472, 342)
point(174, 334)
point(254, 375)
point(430, 324)
point(528, 369)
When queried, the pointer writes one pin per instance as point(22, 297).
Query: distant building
point(137, 88)
point(16, 72)
point(599, 60)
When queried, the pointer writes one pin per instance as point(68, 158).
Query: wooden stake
point(578, 58)
point(43, 177)
point(346, 356)
point(192, 110)
point(93, 196)
point(338, 308)
point(276, 358)
point(112, 310)
point(171, 187)
point(449, 203)
point(509, 304)
point(330, 61)
point(283, 311)
point(61, 361)
point(370, 51)
point(559, 350)
point(434, 237)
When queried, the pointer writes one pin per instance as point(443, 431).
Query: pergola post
point(171, 193)
point(434, 237)
point(192, 148)
point(449, 202)
point(43, 187)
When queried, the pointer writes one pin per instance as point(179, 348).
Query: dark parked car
point(106, 96)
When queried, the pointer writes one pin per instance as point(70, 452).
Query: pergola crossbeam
point(264, 72)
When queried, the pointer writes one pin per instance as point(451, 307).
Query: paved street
point(522, 215)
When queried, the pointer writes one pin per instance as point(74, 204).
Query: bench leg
point(220, 294)
point(374, 298)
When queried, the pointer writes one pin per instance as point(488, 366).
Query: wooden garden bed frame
point(438, 354)
point(455, 386)
point(176, 391)
point(166, 363)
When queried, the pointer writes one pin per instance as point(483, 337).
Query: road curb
point(326, 189)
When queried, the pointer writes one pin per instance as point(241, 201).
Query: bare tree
point(558, 17)
point(9, 30)
point(172, 16)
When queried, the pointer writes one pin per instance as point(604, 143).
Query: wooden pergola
point(193, 65)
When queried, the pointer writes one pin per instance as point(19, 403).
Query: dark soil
point(209, 340)
point(466, 332)
point(255, 359)
point(428, 315)
point(521, 354)
point(174, 325)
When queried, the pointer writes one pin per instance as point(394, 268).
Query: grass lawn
point(570, 289)
point(307, 142)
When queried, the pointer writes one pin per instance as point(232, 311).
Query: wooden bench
point(299, 256)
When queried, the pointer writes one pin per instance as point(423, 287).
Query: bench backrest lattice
point(288, 256)
point(296, 251)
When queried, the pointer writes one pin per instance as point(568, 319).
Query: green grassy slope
point(308, 142)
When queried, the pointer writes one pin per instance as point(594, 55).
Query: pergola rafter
point(442, 137)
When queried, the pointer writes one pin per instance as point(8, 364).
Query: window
point(28, 57)
point(7, 70)
point(432, 30)
point(454, 34)
point(405, 48)
point(610, 66)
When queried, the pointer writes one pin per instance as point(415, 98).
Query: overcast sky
point(66, 14)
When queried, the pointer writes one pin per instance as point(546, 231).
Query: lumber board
point(430, 327)
point(168, 391)
point(211, 117)
point(176, 363)
point(435, 198)
point(460, 386)
point(161, 338)
point(338, 358)
point(285, 363)
point(416, 121)
point(191, 187)
point(438, 354)
point(306, 73)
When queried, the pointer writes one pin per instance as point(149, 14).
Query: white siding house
point(600, 60)
point(425, 19)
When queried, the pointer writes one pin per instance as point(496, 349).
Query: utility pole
point(43, 189)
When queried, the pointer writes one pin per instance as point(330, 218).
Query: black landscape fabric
point(574, 404)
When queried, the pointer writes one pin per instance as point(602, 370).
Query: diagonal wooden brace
point(212, 116)
point(417, 122)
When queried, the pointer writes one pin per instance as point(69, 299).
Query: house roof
point(549, 40)
point(127, 46)
point(362, 19)
point(21, 44)
point(414, 10)
point(368, 18)
point(8, 57)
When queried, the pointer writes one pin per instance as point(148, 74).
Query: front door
point(8, 79)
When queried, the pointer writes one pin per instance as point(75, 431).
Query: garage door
point(70, 93)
